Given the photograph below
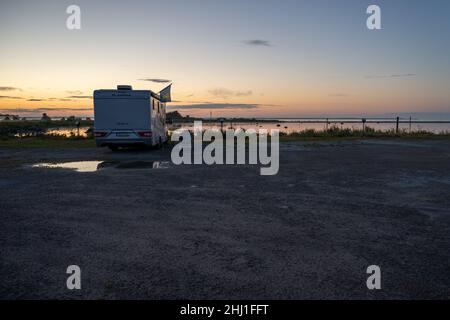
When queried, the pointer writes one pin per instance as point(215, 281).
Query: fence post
point(396, 127)
point(77, 123)
point(364, 125)
point(410, 124)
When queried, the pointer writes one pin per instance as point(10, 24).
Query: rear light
point(100, 134)
point(145, 134)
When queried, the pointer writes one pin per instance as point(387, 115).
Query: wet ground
point(93, 166)
point(225, 232)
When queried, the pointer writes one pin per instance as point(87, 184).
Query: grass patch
point(33, 126)
point(336, 133)
point(332, 134)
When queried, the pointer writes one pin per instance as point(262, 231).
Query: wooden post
point(364, 126)
point(77, 123)
point(409, 124)
point(396, 127)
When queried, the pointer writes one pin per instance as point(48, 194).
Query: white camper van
point(127, 117)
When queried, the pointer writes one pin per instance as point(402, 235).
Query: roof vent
point(124, 87)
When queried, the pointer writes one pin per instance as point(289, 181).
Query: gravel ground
point(225, 232)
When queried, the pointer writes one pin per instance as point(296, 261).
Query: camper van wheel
point(159, 144)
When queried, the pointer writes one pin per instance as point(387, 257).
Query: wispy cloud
point(9, 89)
point(59, 99)
point(401, 75)
point(243, 93)
point(74, 92)
point(338, 95)
point(41, 110)
point(10, 97)
point(36, 100)
point(257, 43)
point(79, 97)
point(217, 106)
point(226, 93)
point(156, 80)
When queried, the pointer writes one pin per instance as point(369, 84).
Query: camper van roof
point(126, 90)
point(124, 87)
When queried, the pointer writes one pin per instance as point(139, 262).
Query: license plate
point(122, 135)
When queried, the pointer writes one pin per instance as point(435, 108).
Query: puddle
point(79, 166)
point(134, 164)
point(92, 166)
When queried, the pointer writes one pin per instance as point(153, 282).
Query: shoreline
point(62, 142)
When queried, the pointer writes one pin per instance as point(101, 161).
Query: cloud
point(257, 43)
point(41, 110)
point(63, 109)
point(192, 102)
point(217, 106)
point(226, 93)
point(10, 97)
point(156, 80)
point(9, 89)
point(59, 99)
point(75, 92)
point(79, 97)
point(221, 92)
point(35, 100)
point(338, 95)
point(243, 93)
point(403, 75)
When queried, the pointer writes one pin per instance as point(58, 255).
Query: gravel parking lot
point(226, 232)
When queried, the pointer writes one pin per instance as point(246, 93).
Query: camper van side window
point(153, 104)
point(158, 106)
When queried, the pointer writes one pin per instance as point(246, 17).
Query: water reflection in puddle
point(92, 166)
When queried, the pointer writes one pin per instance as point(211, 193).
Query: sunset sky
point(235, 58)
